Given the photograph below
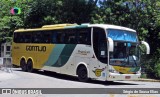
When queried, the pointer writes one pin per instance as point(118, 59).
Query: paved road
point(40, 79)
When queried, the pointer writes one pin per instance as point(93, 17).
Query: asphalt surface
point(15, 78)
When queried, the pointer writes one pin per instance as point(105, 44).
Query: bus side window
point(46, 38)
point(22, 37)
point(16, 39)
point(54, 37)
point(28, 37)
point(60, 37)
point(70, 37)
point(36, 37)
point(84, 36)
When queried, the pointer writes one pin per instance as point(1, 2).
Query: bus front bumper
point(116, 77)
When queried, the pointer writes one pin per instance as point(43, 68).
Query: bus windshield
point(122, 35)
point(126, 50)
point(125, 54)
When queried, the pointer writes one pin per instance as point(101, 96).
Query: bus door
point(100, 59)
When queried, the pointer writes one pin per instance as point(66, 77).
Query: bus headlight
point(111, 76)
point(113, 71)
point(138, 72)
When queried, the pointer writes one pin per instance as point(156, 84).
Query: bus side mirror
point(147, 47)
point(110, 45)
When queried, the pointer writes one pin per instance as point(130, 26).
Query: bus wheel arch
point(23, 64)
point(29, 65)
point(82, 73)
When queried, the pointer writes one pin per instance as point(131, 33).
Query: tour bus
point(89, 51)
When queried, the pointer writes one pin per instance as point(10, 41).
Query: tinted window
point(72, 36)
point(65, 36)
point(84, 36)
point(32, 37)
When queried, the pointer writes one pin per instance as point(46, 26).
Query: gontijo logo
point(36, 48)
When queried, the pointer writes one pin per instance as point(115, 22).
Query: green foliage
point(143, 75)
point(59, 11)
point(157, 70)
point(141, 15)
point(9, 22)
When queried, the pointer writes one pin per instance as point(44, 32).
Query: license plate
point(127, 77)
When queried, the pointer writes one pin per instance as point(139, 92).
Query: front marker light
point(111, 76)
point(113, 71)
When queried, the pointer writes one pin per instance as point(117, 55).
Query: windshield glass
point(126, 51)
point(125, 54)
point(122, 35)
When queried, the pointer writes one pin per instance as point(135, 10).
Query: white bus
point(97, 51)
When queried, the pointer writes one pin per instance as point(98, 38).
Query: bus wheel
point(23, 65)
point(29, 66)
point(82, 74)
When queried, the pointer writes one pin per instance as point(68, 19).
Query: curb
point(147, 80)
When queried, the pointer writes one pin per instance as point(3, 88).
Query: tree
point(41, 12)
point(141, 15)
point(59, 11)
point(9, 22)
point(77, 11)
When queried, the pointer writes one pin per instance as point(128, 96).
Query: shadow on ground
point(71, 78)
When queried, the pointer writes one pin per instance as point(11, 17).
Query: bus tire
point(23, 65)
point(29, 66)
point(82, 74)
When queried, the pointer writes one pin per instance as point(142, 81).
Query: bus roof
point(107, 26)
point(68, 26)
point(46, 27)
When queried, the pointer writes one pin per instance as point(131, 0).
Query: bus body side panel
point(98, 70)
point(75, 55)
point(83, 55)
point(15, 54)
point(59, 58)
point(38, 53)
